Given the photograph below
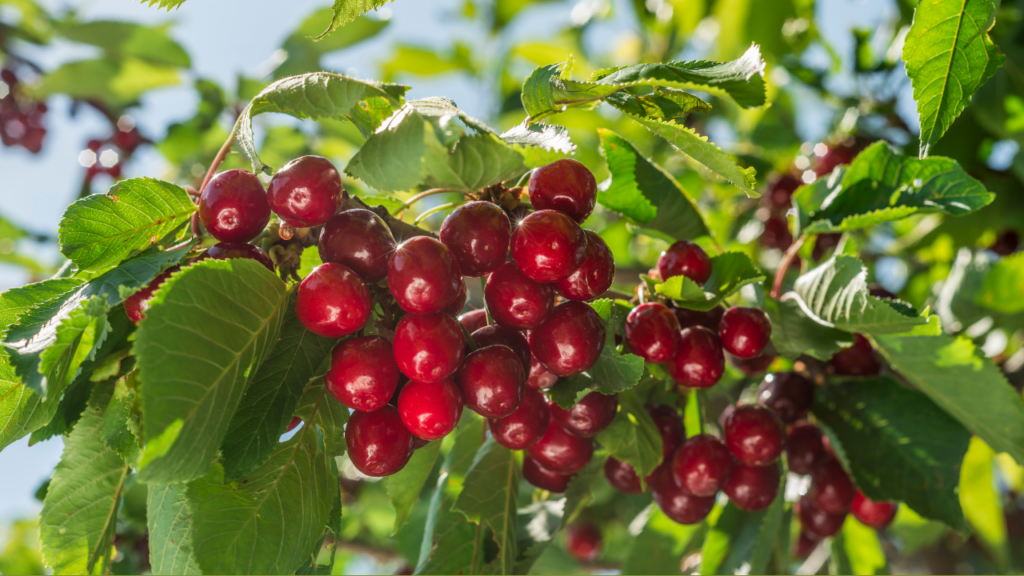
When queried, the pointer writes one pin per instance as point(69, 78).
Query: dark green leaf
point(169, 522)
point(794, 332)
point(669, 104)
point(318, 406)
point(490, 496)
point(730, 272)
point(568, 391)
point(404, 486)
point(633, 437)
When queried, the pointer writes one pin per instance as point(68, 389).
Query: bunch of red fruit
point(21, 118)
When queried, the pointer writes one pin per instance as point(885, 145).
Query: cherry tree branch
point(780, 274)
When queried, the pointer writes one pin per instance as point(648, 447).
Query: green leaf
point(539, 144)
point(769, 527)
point(660, 545)
point(164, 4)
point(404, 486)
point(346, 11)
point(477, 161)
point(17, 301)
point(318, 406)
point(117, 83)
point(120, 39)
point(79, 514)
point(206, 332)
point(633, 437)
point(77, 339)
point(948, 56)
point(169, 522)
point(1003, 286)
point(101, 230)
point(392, 158)
point(856, 550)
point(490, 496)
point(614, 372)
point(730, 272)
point(982, 504)
point(121, 423)
point(737, 538)
point(668, 104)
point(794, 332)
point(305, 52)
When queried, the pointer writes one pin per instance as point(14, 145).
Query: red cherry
point(781, 191)
point(805, 544)
point(776, 233)
point(831, 487)
point(857, 360)
point(752, 488)
point(673, 432)
point(94, 145)
point(594, 276)
point(234, 206)
point(128, 140)
point(478, 235)
point(561, 452)
point(333, 301)
point(698, 361)
point(499, 335)
point(305, 192)
point(540, 378)
point(877, 515)
point(564, 185)
point(787, 393)
point(678, 504)
point(360, 240)
point(229, 250)
point(593, 413)
point(473, 320)
point(745, 331)
point(430, 411)
point(753, 366)
point(378, 442)
point(135, 306)
point(712, 319)
point(583, 541)
point(570, 341)
point(816, 521)
point(492, 380)
point(701, 465)
point(520, 429)
point(291, 425)
point(685, 258)
point(428, 348)
point(363, 375)
point(515, 301)
point(455, 308)
point(543, 478)
point(548, 246)
point(754, 435)
point(423, 276)
point(804, 448)
point(652, 332)
point(622, 476)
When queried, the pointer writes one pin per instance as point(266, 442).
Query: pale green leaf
point(346, 11)
point(115, 82)
point(169, 522)
point(737, 536)
point(730, 272)
point(794, 332)
point(981, 502)
point(1003, 286)
point(857, 550)
point(660, 545)
point(404, 486)
point(490, 496)
point(633, 437)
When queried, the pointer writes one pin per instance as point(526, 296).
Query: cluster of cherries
point(126, 138)
point(21, 118)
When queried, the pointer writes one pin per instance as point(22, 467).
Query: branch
point(401, 230)
point(780, 274)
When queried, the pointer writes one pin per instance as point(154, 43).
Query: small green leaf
point(633, 437)
point(114, 82)
point(856, 550)
point(477, 161)
point(346, 11)
point(169, 522)
point(490, 496)
point(730, 272)
point(539, 144)
point(164, 4)
point(736, 535)
point(658, 548)
point(404, 486)
point(1003, 286)
point(794, 332)
point(668, 104)
point(982, 504)
point(318, 406)
point(119, 39)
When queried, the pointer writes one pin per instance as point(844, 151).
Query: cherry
point(781, 191)
point(752, 488)
point(333, 301)
point(229, 250)
point(673, 432)
point(305, 192)
point(570, 341)
point(128, 140)
point(698, 361)
point(805, 544)
point(857, 360)
point(1006, 242)
point(753, 366)
point(561, 452)
point(360, 240)
point(711, 319)
point(745, 331)
point(430, 410)
point(291, 425)
point(776, 233)
point(363, 375)
point(594, 276)
point(685, 258)
point(543, 478)
point(135, 306)
point(593, 413)
point(787, 393)
point(877, 515)
point(622, 476)
point(827, 444)
point(378, 442)
point(804, 448)
point(540, 378)
point(422, 275)
point(676, 503)
point(492, 380)
point(831, 488)
point(455, 308)
point(583, 541)
point(701, 465)
point(234, 206)
point(548, 246)
point(428, 348)
point(816, 521)
point(754, 435)
point(492, 335)
point(515, 301)
point(477, 234)
point(520, 429)
point(473, 320)
point(652, 332)
point(564, 185)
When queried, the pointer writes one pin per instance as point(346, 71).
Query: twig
point(219, 158)
point(423, 195)
point(780, 274)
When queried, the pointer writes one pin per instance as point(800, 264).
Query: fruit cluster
point(106, 155)
point(21, 117)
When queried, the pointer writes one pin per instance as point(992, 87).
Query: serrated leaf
point(668, 104)
point(318, 406)
point(346, 11)
point(404, 486)
point(633, 437)
point(614, 372)
point(17, 301)
point(737, 536)
point(121, 422)
point(164, 4)
point(539, 144)
point(730, 272)
point(1003, 286)
point(77, 339)
point(477, 161)
point(169, 522)
point(794, 332)
point(392, 158)
point(490, 496)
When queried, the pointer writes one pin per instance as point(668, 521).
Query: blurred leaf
point(404, 486)
point(304, 52)
point(750, 21)
point(1003, 286)
point(794, 332)
point(856, 550)
point(539, 144)
point(632, 436)
point(346, 11)
point(504, 11)
point(169, 522)
point(20, 554)
point(730, 272)
point(661, 544)
point(739, 538)
point(117, 83)
point(164, 4)
point(121, 39)
point(490, 496)
point(426, 62)
point(11, 230)
point(981, 502)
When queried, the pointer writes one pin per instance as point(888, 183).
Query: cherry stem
point(487, 313)
point(437, 209)
point(780, 274)
point(423, 195)
point(219, 158)
point(701, 403)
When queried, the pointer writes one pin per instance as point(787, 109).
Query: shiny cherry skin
point(712, 319)
point(787, 393)
point(877, 515)
point(673, 432)
point(360, 240)
point(804, 448)
point(752, 488)
point(234, 206)
point(515, 301)
point(135, 306)
point(230, 250)
point(594, 276)
point(499, 335)
point(685, 258)
point(564, 185)
point(520, 429)
point(293, 424)
point(698, 361)
point(306, 192)
point(363, 375)
point(456, 306)
point(857, 360)
point(428, 348)
point(652, 332)
point(493, 381)
point(540, 378)
point(701, 465)
point(378, 442)
point(548, 246)
point(561, 452)
point(543, 478)
point(430, 411)
point(745, 331)
point(592, 414)
point(622, 476)
point(754, 435)
point(831, 487)
point(477, 234)
point(473, 320)
point(678, 504)
point(816, 521)
point(570, 340)
point(333, 301)
point(423, 276)
point(583, 541)
point(753, 366)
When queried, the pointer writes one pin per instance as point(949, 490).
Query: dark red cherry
point(360, 240)
point(293, 424)
point(378, 442)
point(570, 340)
point(540, 378)
point(520, 429)
point(583, 541)
point(673, 432)
point(753, 366)
point(137, 304)
point(333, 301)
point(234, 206)
point(745, 331)
point(422, 276)
point(229, 250)
point(499, 335)
point(781, 190)
point(804, 448)
point(712, 319)
point(701, 465)
point(477, 234)
point(857, 360)
point(561, 452)
point(305, 192)
point(787, 393)
point(473, 320)
point(455, 308)
point(548, 246)
point(543, 478)
point(877, 515)
point(754, 435)
point(363, 375)
point(430, 411)
point(805, 544)
point(698, 361)
point(652, 332)
point(564, 185)
point(831, 487)
point(752, 488)
point(594, 276)
point(515, 301)
point(493, 381)
point(593, 413)
point(815, 520)
point(622, 476)
point(676, 503)
point(685, 258)
point(428, 348)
